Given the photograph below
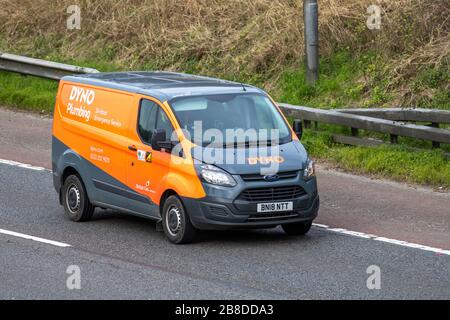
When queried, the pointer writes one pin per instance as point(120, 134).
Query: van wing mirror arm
point(159, 140)
point(168, 145)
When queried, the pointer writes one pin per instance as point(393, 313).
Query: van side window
point(147, 119)
point(152, 117)
point(163, 122)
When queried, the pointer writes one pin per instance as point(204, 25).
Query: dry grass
point(227, 37)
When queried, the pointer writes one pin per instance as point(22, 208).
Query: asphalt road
point(379, 207)
point(121, 256)
point(125, 257)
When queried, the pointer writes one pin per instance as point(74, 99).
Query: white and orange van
point(190, 152)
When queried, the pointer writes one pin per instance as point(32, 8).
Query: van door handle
point(132, 148)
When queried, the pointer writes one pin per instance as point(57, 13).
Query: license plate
point(275, 206)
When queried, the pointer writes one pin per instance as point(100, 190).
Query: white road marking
point(322, 226)
point(28, 237)
point(22, 165)
point(383, 239)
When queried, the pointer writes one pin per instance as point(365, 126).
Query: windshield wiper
point(240, 144)
point(248, 144)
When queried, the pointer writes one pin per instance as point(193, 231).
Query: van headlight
point(310, 170)
point(215, 175)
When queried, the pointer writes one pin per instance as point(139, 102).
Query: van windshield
point(231, 119)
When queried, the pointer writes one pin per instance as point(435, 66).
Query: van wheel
point(297, 229)
point(176, 223)
point(75, 200)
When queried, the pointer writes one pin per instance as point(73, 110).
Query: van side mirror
point(159, 140)
point(297, 126)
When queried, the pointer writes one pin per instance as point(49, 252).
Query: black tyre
point(297, 229)
point(75, 200)
point(176, 223)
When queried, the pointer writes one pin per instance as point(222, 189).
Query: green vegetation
point(27, 93)
point(338, 85)
point(347, 81)
point(398, 162)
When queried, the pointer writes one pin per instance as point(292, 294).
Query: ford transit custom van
point(190, 152)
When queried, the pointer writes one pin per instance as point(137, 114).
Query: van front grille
point(272, 194)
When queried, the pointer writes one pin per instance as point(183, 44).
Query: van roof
point(162, 85)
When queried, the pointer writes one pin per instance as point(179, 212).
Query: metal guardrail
point(39, 68)
point(355, 121)
point(378, 120)
point(404, 114)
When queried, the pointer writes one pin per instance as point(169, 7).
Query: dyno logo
point(82, 95)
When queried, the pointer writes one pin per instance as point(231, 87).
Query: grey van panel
point(293, 153)
point(102, 189)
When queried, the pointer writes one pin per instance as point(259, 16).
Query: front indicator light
point(310, 170)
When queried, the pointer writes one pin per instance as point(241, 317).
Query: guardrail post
point(306, 124)
point(311, 26)
point(394, 138)
point(355, 132)
point(435, 144)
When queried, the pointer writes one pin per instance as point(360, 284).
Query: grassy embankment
point(405, 63)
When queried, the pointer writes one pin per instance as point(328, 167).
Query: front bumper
point(221, 209)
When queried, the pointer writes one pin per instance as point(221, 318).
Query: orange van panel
point(100, 123)
point(94, 123)
point(166, 171)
